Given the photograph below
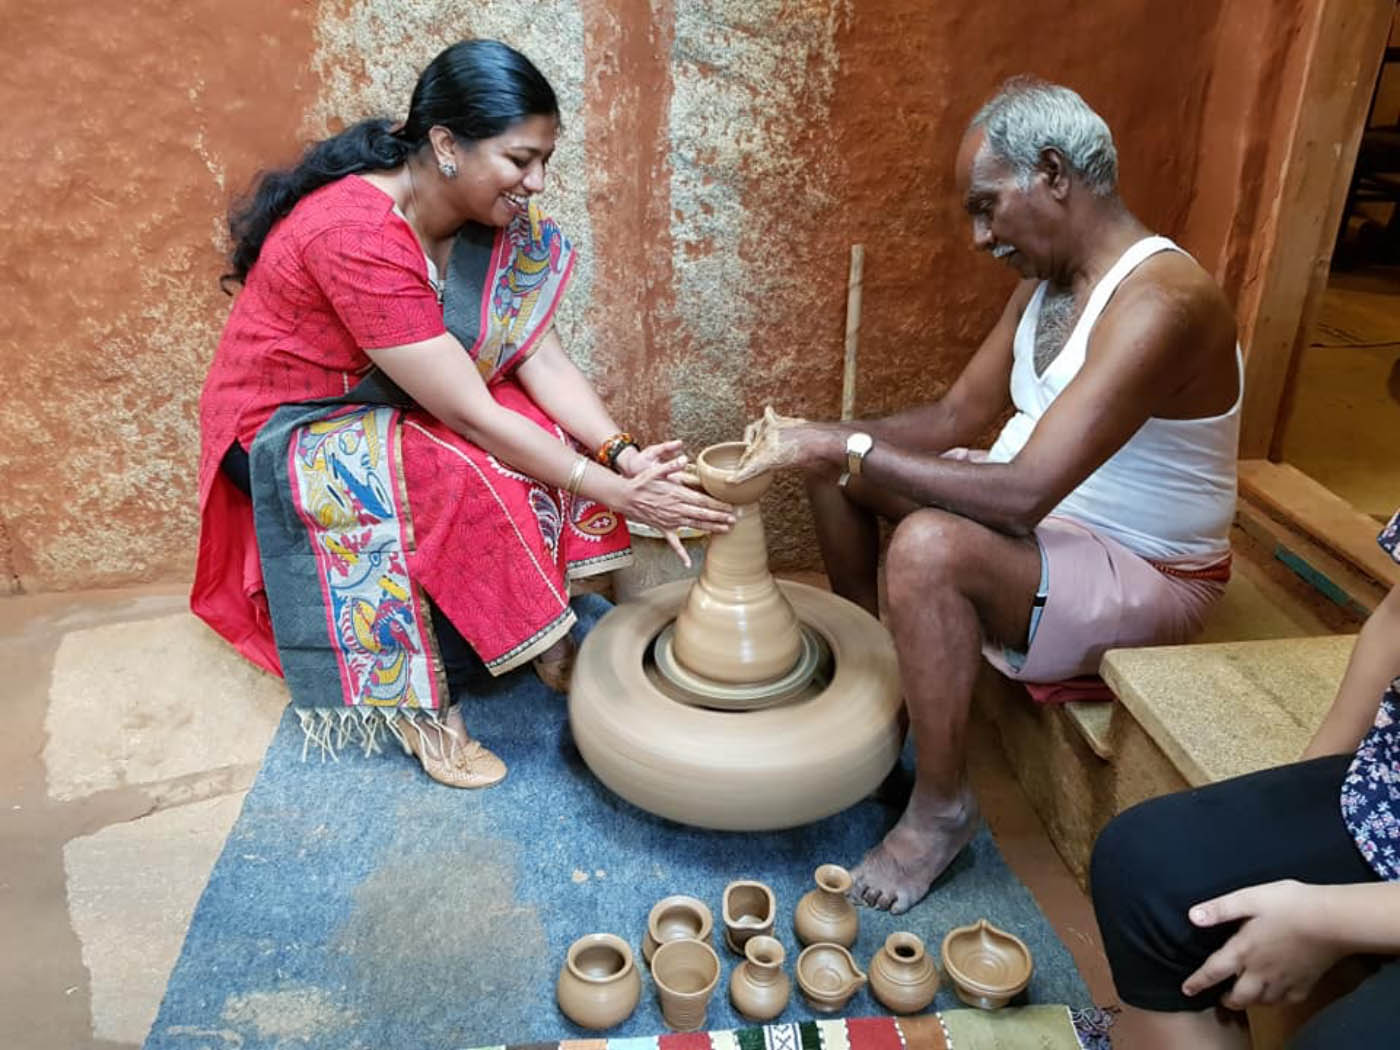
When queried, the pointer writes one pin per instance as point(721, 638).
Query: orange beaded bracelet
point(610, 449)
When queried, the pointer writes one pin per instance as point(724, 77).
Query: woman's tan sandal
point(456, 763)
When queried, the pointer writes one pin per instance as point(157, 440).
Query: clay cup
point(685, 973)
point(988, 966)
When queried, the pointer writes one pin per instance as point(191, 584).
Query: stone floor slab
point(130, 914)
point(150, 700)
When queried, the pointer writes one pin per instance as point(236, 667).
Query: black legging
point(1156, 860)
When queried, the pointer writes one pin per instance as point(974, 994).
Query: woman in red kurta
point(391, 429)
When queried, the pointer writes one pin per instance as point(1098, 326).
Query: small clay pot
point(676, 917)
point(825, 914)
point(685, 973)
point(749, 910)
point(828, 976)
point(902, 976)
point(987, 966)
point(599, 985)
point(758, 987)
point(716, 466)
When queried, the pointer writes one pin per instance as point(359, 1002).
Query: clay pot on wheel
point(758, 987)
point(685, 973)
point(736, 626)
point(675, 918)
point(902, 976)
point(749, 910)
point(599, 986)
point(987, 966)
point(824, 914)
point(828, 976)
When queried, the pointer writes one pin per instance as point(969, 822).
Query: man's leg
point(949, 582)
point(848, 532)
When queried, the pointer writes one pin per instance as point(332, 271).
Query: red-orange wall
point(725, 156)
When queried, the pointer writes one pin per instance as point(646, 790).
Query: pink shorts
point(1101, 596)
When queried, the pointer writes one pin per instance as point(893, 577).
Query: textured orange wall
point(719, 160)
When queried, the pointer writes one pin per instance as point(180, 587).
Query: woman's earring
point(448, 169)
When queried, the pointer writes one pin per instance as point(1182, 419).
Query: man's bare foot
point(895, 875)
point(450, 756)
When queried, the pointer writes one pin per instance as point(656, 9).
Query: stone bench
point(1247, 696)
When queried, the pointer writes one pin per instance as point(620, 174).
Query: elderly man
point(1100, 516)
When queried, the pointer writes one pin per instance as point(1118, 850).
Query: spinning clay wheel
point(736, 701)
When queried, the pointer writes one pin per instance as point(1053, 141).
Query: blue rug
point(358, 904)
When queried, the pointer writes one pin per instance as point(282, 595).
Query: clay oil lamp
point(988, 966)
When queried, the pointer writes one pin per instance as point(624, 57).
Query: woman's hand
point(1280, 950)
point(633, 461)
point(659, 497)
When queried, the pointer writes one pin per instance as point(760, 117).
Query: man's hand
point(1279, 951)
point(768, 419)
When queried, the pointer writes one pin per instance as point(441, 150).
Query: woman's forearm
point(1362, 918)
point(555, 384)
point(1375, 661)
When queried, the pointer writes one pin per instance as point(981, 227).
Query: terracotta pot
point(736, 625)
point(825, 914)
point(673, 918)
point(828, 976)
point(599, 985)
point(902, 976)
point(987, 966)
point(758, 987)
point(685, 973)
point(749, 910)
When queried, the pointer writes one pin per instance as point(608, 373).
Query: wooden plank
point(1349, 37)
point(1322, 516)
point(1332, 576)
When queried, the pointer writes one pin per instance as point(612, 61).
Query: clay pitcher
point(685, 973)
point(736, 625)
point(758, 987)
point(824, 913)
point(599, 985)
point(749, 909)
point(902, 976)
point(828, 976)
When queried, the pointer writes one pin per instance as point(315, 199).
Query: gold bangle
point(576, 475)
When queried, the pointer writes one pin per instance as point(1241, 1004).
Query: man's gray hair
point(1028, 115)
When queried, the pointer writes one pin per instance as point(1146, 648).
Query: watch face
point(859, 443)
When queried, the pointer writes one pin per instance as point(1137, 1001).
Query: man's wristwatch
point(858, 446)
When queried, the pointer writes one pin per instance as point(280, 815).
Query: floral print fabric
point(1371, 790)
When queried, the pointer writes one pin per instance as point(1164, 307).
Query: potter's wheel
point(736, 701)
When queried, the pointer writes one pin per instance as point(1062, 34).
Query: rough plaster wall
point(122, 124)
point(719, 159)
point(368, 55)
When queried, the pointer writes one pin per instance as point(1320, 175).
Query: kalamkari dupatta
point(330, 506)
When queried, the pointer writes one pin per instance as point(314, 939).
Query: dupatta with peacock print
point(366, 505)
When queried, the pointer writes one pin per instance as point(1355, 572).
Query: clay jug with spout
point(824, 913)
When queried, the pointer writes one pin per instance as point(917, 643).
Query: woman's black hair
point(476, 89)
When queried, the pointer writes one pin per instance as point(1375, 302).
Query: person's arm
point(1290, 933)
point(555, 383)
point(441, 377)
point(1374, 663)
point(972, 404)
point(1135, 362)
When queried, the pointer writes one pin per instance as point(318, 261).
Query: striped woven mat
point(1041, 1027)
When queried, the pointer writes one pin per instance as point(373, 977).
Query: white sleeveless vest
point(1169, 493)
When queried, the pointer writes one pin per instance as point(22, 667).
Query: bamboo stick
point(853, 287)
